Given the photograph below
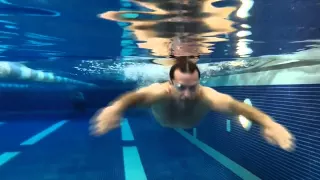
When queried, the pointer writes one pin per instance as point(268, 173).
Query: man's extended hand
point(277, 134)
point(105, 120)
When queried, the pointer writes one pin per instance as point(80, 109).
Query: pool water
point(61, 61)
point(64, 150)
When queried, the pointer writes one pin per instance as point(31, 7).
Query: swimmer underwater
point(182, 102)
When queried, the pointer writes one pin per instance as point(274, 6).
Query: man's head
point(184, 78)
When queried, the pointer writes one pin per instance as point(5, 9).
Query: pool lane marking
point(133, 168)
point(7, 156)
point(36, 138)
point(126, 132)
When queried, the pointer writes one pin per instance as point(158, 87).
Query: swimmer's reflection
point(181, 49)
point(171, 20)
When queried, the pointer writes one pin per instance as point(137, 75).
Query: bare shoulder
point(207, 92)
point(204, 90)
point(160, 85)
point(155, 87)
point(154, 91)
point(213, 97)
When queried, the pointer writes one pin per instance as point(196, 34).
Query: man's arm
point(225, 103)
point(140, 97)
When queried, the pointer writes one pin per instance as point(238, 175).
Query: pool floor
point(64, 150)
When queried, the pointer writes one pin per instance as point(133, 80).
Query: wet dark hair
point(185, 66)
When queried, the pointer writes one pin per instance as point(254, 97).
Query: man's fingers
point(93, 129)
point(96, 127)
point(287, 144)
point(270, 140)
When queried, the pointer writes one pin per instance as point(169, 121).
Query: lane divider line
point(126, 132)
point(133, 168)
point(222, 159)
point(7, 156)
point(34, 139)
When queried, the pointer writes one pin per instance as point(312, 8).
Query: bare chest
point(181, 115)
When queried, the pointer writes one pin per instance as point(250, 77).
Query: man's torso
point(170, 113)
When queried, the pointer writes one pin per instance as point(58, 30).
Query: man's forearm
point(251, 113)
point(128, 100)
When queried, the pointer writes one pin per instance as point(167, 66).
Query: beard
point(185, 104)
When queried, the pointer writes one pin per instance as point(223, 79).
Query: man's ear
point(169, 88)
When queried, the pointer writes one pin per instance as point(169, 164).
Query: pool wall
point(291, 96)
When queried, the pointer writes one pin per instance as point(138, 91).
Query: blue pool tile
point(70, 153)
point(165, 154)
point(294, 106)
